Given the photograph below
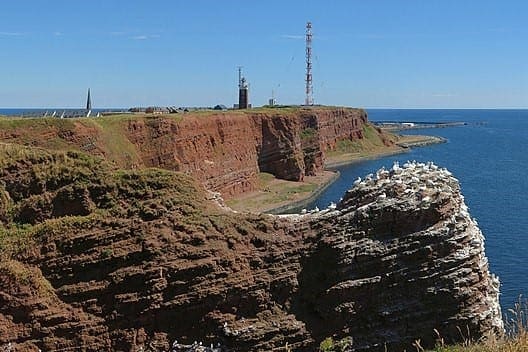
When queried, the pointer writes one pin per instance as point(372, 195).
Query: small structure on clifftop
point(220, 107)
point(243, 91)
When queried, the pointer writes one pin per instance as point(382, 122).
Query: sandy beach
point(277, 196)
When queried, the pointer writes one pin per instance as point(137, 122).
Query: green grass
point(516, 321)
point(289, 192)
point(23, 274)
point(348, 146)
point(372, 141)
point(331, 345)
point(265, 178)
point(113, 137)
point(518, 343)
point(308, 133)
point(42, 175)
point(26, 128)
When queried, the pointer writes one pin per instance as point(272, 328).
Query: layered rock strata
point(225, 151)
point(154, 261)
point(402, 257)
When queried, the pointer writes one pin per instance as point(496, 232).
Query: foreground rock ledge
point(396, 259)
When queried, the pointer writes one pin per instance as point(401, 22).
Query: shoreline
point(303, 202)
point(333, 163)
point(403, 145)
point(422, 143)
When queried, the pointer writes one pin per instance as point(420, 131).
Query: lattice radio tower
point(309, 87)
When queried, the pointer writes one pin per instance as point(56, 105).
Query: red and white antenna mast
point(309, 87)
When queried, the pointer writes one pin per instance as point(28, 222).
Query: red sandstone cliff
point(225, 151)
point(120, 260)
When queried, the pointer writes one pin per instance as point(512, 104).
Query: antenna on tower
point(239, 76)
point(243, 91)
point(309, 86)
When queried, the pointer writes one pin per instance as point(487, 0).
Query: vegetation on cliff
point(102, 259)
point(75, 232)
point(225, 151)
point(44, 192)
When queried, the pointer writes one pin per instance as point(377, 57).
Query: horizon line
point(256, 107)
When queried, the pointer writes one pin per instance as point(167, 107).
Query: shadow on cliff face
point(318, 274)
point(279, 154)
point(375, 301)
point(375, 280)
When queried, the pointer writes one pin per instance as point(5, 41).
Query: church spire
point(89, 101)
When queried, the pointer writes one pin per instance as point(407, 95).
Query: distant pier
point(393, 126)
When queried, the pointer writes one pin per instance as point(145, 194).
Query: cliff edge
point(224, 151)
point(96, 258)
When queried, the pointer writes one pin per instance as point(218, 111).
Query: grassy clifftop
point(43, 192)
point(76, 230)
point(109, 136)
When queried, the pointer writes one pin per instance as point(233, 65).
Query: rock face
point(401, 257)
point(155, 262)
point(224, 151)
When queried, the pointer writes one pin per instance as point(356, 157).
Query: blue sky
point(380, 53)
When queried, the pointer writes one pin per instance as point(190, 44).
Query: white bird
point(316, 209)
point(304, 211)
point(332, 205)
point(382, 196)
point(357, 181)
point(409, 165)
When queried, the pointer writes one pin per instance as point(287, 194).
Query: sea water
point(489, 156)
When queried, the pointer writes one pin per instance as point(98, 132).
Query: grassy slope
point(372, 143)
point(273, 193)
point(32, 178)
point(111, 137)
point(40, 174)
point(110, 134)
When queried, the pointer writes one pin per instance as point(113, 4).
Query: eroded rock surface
point(224, 151)
point(399, 257)
point(155, 262)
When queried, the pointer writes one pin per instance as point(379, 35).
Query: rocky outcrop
point(399, 257)
point(155, 262)
point(224, 151)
